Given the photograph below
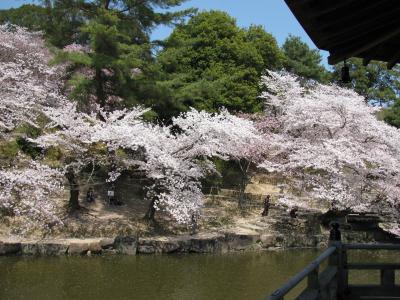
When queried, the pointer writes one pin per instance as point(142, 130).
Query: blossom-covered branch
point(331, 139)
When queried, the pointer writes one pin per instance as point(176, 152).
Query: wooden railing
point(387, 289)
point(332, 283)
point(319, 285)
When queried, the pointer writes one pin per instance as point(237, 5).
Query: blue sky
point(274, 15)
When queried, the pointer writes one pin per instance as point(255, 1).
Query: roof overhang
point(352, 28)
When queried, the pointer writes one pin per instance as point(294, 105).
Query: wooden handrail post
point(312, 279)
point(339, 259)
point(344, 273)
point(387, 278)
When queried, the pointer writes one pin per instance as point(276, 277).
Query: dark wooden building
point(368, 29)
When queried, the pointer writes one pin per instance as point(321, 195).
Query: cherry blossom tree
point(332, 142)
point(174, 157)
point(28, 190)
point(28, 83)
point(28, 86)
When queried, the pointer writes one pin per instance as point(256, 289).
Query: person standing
point(267, 204)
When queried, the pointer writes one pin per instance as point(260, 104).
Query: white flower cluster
point(27, 191)
point(27, 82)
point(175, 162)
point(330, 138)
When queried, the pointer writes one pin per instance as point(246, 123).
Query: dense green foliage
point(31, 16)
point(392, 114)
point(377, 84)
point(302, 60)
point(119, 68)
point(374, 81)
point(211, 63)
point(208, 62)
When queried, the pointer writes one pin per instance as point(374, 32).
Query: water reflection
point(229, 276)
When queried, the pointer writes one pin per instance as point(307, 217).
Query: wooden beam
point(301, 2)
point(374, 291)
point(362, 13)
point(383, 266)
point(325, 9)
point(326, 276)
point(338, 56)
point(291, 283)
point(361, 28)
point(374, 246)
point(308, 294)
point(387, 278)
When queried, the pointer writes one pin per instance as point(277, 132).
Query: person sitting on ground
point(266, 206)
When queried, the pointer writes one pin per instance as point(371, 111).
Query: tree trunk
point(150, 212)
point(244, 168)
point(101, 98)
point(242, 188)
point(73, 203)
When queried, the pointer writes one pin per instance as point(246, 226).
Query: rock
point(78, 248)
point(52, 248)
point(45, 248)
point(81, 247)
point(280, 241)
point(109, 252)
point(322, 240)
point(29, 248)
point(241, 240)
point(126, 245)
point(10, 248)
point(146, 248)
point(268, 240)
point(106, 243)
point(160, 245)
point(208, 243)
point(170, 246)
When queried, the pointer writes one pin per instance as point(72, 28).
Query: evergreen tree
point(64, 19)
point(374, 81)
point(266, 46)
point(210, 63)
point(112, 62)
point(29, 16)
point(302, 60)
point(392, 114)
point(377, 84)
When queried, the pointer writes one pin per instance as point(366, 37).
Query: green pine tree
point(210, 63)
point(119, 68)
point(30, 16)
point(303, 61)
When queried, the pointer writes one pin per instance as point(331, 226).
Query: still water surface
point(228, 276)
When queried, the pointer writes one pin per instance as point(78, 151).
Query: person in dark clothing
point(293, 212)
point(335, 234)
point(267, 204)
point(112, 200)
point(90, 195)
point(193, 224)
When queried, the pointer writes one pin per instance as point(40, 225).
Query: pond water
point(192, 276)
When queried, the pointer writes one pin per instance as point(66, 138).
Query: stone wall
point(217, 242)
point(308, 230)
